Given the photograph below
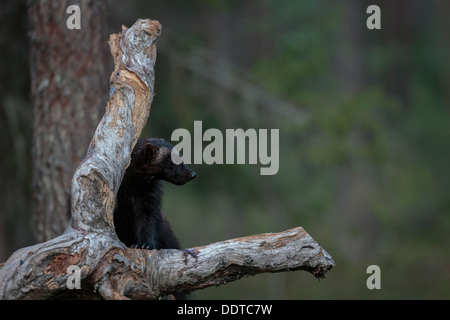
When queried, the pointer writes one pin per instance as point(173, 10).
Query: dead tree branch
point(107, 268)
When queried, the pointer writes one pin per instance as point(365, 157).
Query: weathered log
point(109, 270)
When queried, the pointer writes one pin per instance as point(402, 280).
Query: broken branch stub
point(230, 260)
point(97, 180)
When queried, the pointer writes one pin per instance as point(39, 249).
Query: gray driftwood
point(107, 268)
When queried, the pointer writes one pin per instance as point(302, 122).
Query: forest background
point(364, 134)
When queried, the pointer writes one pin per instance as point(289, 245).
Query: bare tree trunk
point(15, 127)
point(108, 269)
point(401, 21)
point(68, 91)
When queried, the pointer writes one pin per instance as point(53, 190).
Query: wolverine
point(138, 217)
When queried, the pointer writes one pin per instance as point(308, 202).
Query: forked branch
point(109, 270)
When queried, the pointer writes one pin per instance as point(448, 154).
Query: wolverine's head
point(152, 157)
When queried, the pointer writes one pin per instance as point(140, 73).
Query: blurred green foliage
point(367, 175)
point(365, 171)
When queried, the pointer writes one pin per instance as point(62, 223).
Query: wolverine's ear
point(150, 150)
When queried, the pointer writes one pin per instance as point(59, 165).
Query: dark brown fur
point(138, 218)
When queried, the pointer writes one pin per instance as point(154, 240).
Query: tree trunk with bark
point(68, 92)
point(106, 268)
